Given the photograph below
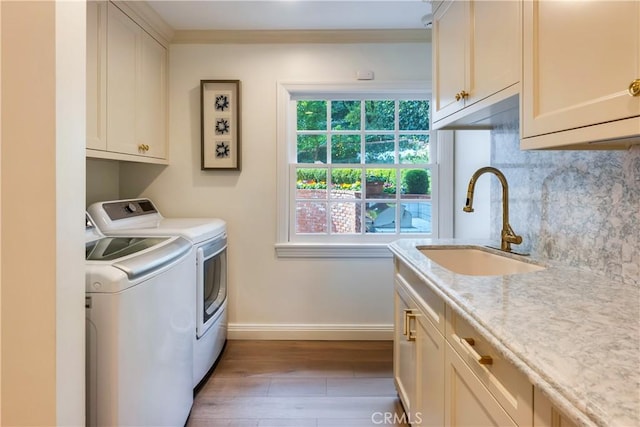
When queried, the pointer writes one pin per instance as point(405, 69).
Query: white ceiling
point(292, 14)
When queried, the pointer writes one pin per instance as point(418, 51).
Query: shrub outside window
point(362, 167)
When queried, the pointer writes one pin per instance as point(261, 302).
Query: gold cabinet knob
point(143, 148)
point(634, 88)
point(461, 95)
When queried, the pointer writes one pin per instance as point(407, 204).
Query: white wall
point(103, 180)
point(70, 140)
point(472, 150)
point(270, 297)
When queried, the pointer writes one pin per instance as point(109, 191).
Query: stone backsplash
point(581, 208)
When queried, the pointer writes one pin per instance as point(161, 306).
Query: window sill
point(319, 250)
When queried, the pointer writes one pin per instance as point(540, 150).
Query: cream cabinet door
point(96, 75)
point(136, 89)
point(151, 102)
point(123, 44)
point(577, 71)
point(429, 408)
point(546, 415)
point(494, 50)
point(404, 349)
point(476, 54)
point(449, 33)
point(467, 401)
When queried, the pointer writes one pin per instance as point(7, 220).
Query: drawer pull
point(468, 344)
point(407, 311)
point(411, 333)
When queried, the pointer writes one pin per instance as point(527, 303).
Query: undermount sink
point(476, 261)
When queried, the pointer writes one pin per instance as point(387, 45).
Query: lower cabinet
point(405, 361)
point(546, 415)
point(418, 360)
point(431, 379)
point(467, 400)
point(501, 382)
point(445, 372)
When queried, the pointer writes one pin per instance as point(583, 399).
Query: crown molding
point(299, 36)
point(148, 19)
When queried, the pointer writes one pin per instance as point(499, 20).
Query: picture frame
point(220, 124)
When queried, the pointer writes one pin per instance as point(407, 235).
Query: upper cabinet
point(96, 75)
point(476, 60)
point(579, 74)
point(126, 88)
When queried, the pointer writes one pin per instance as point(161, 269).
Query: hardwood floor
point(300, 384)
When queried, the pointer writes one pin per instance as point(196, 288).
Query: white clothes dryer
point(209, 239)
point(139, 319)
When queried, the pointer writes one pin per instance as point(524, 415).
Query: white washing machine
point(209, 239)
point(139, 322)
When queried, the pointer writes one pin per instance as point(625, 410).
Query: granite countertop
point(574, 333)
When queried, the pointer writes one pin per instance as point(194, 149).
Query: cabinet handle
point(634, 88)
point(462, 95)
point(143, 148)
point(405, 328)
point(468, 344)
point(411, 336)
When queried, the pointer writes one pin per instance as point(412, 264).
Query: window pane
point(414, 115)
point(380, 218)
point(416, 184)
point(362, 167)
point(345, 149)
point(311, 217)
point(414, 149)
point(416, 217)
point(379, 149)
point(312, 148)
point(380, 115)
point(345, 183)
point(311, 183)
point(345, 115)
point(312, 115)
point(345, 218)
point(380, 183)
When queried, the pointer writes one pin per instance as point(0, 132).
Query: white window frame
point(348, 245)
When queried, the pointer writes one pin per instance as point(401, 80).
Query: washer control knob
point(131, 208)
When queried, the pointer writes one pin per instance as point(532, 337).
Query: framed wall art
point(220, 124)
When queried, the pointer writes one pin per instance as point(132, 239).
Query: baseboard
point(296, 331)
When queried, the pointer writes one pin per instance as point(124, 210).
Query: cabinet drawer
point(427, 299)
point(504, 381)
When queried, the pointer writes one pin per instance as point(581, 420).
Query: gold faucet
point(507, 235)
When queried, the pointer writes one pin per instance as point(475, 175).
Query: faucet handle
point(508, 235)
point(512, 238)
